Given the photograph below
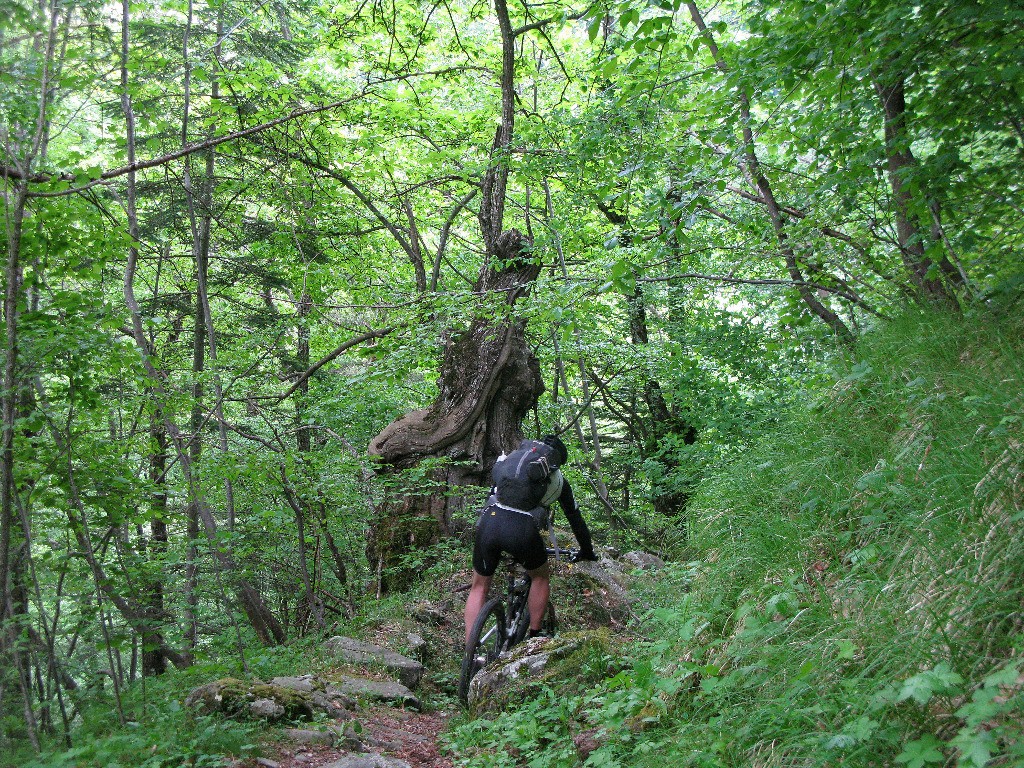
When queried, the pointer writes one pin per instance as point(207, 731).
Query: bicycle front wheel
point(486, 639)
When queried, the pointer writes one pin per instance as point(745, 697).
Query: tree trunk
point(153, 660)
point(310, 606)
point(266, 626)
point(489, 381)
point(923, 272)
point(752, 166)
point(26, 144)
point(668, 503)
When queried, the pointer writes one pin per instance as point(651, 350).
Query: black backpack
point(521, 478)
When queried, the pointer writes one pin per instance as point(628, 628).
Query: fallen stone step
point(368, 761)
point(409, 671)
point(374, 690)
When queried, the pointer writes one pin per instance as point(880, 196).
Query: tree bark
point(924, 273)
point(153, 660)
point(311, 604)
point(489, 381)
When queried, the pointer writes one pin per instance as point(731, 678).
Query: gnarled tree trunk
point(489, 377)
point(489, 381)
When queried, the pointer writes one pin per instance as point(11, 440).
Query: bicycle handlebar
point(571, 555)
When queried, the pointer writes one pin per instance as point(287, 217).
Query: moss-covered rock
point(596, 591)
point(573, 659)
point(258, 700)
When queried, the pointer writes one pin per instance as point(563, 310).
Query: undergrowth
point(157, 730)
point(852, 588)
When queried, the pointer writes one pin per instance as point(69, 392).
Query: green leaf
point(918, 753)
point(923, 686)
point(975, 747)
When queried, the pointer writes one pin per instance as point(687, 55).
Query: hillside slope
point(851, 593)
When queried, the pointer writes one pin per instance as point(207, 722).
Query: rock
point(333, 703)
point(358, 652)
point(427, 613)
point(265, 763)
point(525, 660)
point(209, 698)
point(302, 683)
point(418, 646)
point(598, 590)
point(535, 661)
point(264, 701)
point(644, 561)
point(587, 741)
point(266, 709)
point(304, 736)
point(374, 690)
point(368, 761)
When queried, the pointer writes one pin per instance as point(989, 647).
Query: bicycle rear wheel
point(518, 617)
point(549, 626)
point(486, 639)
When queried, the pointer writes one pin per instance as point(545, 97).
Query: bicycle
point(496, 631)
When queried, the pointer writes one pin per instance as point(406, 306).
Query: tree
point(488, 377)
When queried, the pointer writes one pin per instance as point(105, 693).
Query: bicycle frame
point(518, 618)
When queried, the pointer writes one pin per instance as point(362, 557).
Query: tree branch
point(347, 345)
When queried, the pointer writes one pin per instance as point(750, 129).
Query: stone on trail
point(237, 698)
point(374, 690)
point(368, 761)
point(643, 561)
point(355, 651)
point(266, 709)
point(305, 736)
point(301, 683)
point(536, 662)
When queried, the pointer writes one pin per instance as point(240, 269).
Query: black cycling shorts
point(502, 530)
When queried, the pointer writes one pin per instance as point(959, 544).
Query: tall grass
point(854, 586)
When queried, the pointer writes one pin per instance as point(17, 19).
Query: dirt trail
point(400, 734)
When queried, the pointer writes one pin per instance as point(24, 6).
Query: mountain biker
point(505, 528)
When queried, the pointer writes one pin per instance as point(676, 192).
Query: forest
point(284, 279)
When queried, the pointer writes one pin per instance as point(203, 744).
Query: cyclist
point(505, 526)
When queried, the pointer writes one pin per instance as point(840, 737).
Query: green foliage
point(161, 734)
point(665, 315)
point(854, 592)
point(538, 730)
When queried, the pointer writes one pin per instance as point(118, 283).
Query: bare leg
point(477, 598)
point(540, 589)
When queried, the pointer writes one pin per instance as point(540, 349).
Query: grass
point(851, 591)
